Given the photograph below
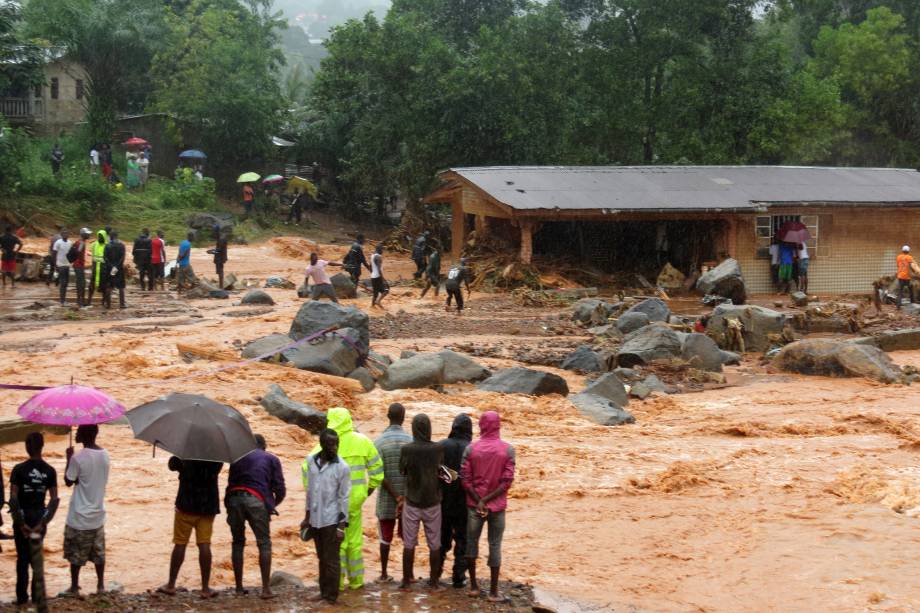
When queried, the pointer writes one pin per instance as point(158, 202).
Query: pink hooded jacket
point(487, 464)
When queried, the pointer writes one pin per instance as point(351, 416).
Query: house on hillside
point(617, 218)
point(54, 106)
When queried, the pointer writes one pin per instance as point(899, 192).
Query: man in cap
point(366, 475)
point(906, 265)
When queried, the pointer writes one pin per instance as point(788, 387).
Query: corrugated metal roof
point(690, 188)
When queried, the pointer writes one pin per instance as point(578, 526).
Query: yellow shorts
point(184, 523)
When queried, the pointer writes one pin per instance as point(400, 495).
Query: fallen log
point(351, 386)
point(16, 429)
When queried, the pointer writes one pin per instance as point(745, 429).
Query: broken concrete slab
point(277, 403)
point(601, 410)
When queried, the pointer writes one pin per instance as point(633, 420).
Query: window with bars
point(766, 227)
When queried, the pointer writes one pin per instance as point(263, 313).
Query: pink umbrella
point(71, 405)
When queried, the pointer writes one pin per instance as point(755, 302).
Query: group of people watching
point(788, 265)
point(452, 489)
point(103, 257)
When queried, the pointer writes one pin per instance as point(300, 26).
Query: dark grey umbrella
point(193, 427)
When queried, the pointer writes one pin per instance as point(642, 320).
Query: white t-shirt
point(90, 469)
point(61, 248)
point(774, 254)
point(376, 260)
point(94, 157)
point(803, 253)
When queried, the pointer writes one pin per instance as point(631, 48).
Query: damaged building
point(618, 218)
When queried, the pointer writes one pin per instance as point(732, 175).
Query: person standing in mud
point(10, 245)
point(142, 253)
point(433, 273)
point(486, 472)
point(393, 489)
point(355, 259)
point(79, 266)
point(51, 255)
point(255, 488)
point(378, 282)
point(327, 481)
point(184, 273)
point(61, 251)
point(197, 504)
point(453, 499)
point(420, 462)
point(419, 255)
point(456, 277)
point(84, 533)
point(157, 260)
point(322, 284)
point(114, 271)
point(906, 267)
point(366, 475)
point(220, 255)
point(29, 483)
point(96, 278)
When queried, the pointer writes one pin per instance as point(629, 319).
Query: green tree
point(113, 40)
point(20, 59)
point(218, 78)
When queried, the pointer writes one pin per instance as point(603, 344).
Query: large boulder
point(670, 277)
point(724, 280)
point(279, 282)
point(421, 370)
point(630, 322)
point(344, 288)
point(655, 308)
point(265, 345)
point(702, 352)
point(827, 357)
point(610, 387)
point(257, 296)
point(519, 380)
point(759, 325)
point(331, 354)
point(583, 359)
point(653, 342)
point(899, 340)
point(205, 223)
point(277, 403)
point(601, 410)
point(459, 368)
point(364, 377)
point(315, 316)
point(591, 311)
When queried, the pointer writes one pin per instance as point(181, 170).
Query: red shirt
point(80, 262)
point(157, 247)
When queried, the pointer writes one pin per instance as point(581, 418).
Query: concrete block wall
point(855, 247)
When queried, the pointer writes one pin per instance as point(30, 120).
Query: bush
point(184, 195)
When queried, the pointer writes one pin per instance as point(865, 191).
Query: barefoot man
point(197, 503)
point(84, 532)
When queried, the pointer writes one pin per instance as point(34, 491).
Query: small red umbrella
point(135, 142)
point(793, 232)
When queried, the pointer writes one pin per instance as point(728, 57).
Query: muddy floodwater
point(779, 493)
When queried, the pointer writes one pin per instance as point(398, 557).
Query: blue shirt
point(186, 248)
point(786, 253)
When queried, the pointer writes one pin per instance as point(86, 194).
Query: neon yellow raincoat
point(366, 474)
point(98, 256)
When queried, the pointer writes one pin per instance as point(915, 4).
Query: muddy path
point(780, 493)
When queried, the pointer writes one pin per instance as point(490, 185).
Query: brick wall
point(855, 247)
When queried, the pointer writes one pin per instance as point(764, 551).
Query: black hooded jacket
point(461, 434)
point(419, 461)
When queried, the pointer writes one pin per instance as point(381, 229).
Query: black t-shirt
point(455, 276)
point(8, 243)
point(419, 462)
point(33, 478)
point(198, 492)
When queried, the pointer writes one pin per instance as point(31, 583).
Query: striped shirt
point(389, 444)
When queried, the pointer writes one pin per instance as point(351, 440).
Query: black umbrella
point(193, 427)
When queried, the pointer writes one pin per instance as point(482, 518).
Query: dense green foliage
point(217, 75)
point(441, 83)
point(20, 58)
